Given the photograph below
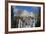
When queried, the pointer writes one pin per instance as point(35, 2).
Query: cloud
point(26, 13)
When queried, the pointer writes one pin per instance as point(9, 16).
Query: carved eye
point(32, 18)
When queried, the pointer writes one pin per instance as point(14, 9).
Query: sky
point(33, 9)
point(28, 8)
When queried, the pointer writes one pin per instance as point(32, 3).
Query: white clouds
point(26, 13)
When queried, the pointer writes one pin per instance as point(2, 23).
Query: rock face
point(25, 19)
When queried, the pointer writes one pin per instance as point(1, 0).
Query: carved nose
point(26, 24)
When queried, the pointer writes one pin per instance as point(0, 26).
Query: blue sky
point(33, 9)
point(28, 8)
